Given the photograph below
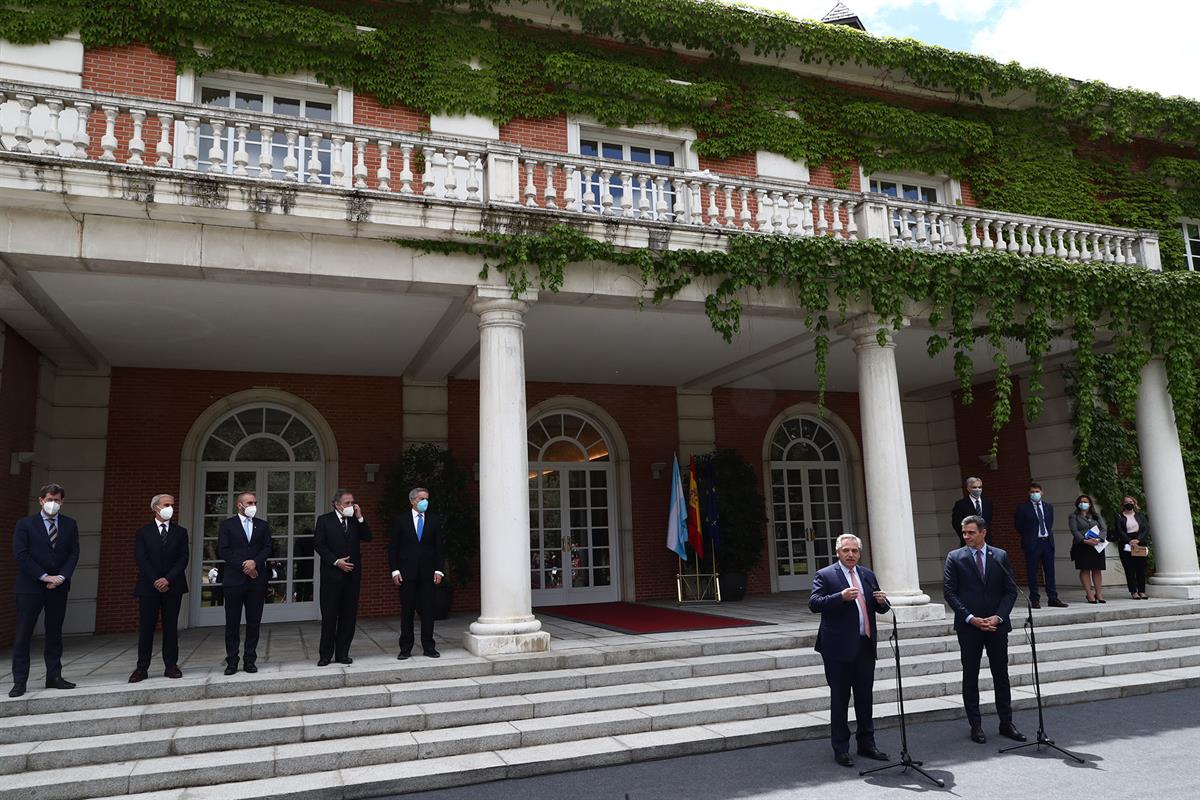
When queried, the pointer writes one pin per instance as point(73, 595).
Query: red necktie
point(862, 604)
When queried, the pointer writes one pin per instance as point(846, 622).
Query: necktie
point(249, 530)
point(1041, 521)
point(420, 525)
point(979, 562)
point(978, 509)
point(862, 604)
point(163, 533)
point(53, 534)
point(344, 526)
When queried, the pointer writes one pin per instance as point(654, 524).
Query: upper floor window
point(907, 190)
point(1191, 243)
point(646, 152)
point(913, 190)
point(312, 105)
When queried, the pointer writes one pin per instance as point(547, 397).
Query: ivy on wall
point(1061, 156)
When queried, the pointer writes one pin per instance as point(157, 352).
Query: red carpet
point(635, 618)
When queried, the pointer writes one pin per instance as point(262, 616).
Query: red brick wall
point(130, 69)
point(150, 413)
point(648, 421)
point(743, 418)
point(18, 408)
point(1007, 486)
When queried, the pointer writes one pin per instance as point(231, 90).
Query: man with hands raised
point(336, 540)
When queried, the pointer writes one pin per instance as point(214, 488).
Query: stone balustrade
point(76, 126)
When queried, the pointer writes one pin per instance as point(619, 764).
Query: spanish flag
point(694, 536)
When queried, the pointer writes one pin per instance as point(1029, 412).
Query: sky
point(1144, 44)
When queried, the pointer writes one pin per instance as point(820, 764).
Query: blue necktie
point(420, 525)
point(249, 531)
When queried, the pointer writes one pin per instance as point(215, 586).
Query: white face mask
point(348, 511)
point(249, 511)
point(166, 512)
point(51, 507)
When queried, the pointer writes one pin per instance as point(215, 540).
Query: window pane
point(248, 102)
point(563, 451)
point(286, 106)
point(664, 158)
point(215, 98)
point(307, 451)
point(229, 431)
point(252, 420)
point(322, 111)
point(639, 155)
point(216, 450)
point(614, 151)
point(588, 148)
point(262, 450)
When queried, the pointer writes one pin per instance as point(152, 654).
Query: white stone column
point(1171, 533)
point(889, 498)
point(506, 623)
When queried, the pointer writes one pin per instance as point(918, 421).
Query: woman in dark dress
point(1090, 563)
point(1131, 533)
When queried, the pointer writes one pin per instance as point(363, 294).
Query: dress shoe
point(873, 753)
point(1101, 600)
point(1090, 600)
point(403, 656)
point(1056, 603)
point(433, 654)
point(250, 668)
point(978, 736)
point(324, 662)
point(844, 759)
point(346, 660)
point(230, 670)
point(138, 676)
point(1035, 604)
point(59, 683)
point(17, 690)
point(1010, 731)
point(173, 671)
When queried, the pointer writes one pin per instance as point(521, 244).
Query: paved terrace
point(94, 660)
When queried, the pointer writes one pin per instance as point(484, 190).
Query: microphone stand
point(906, 761)
point(1041, 740)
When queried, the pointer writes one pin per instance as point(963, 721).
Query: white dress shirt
point(415, 514)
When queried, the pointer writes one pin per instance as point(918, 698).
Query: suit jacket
point(1122, 537)
point(967, 593)
point(331, 543)
point(35, 557)
point(156, 559)
point(1079, 524)
point(964, 508)
point(1026, 522)
point(838, 637)
point(233, 549)
point(416, 560)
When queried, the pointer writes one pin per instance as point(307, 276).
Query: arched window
point(808, 505)
point(273, 452)
point(572, 520)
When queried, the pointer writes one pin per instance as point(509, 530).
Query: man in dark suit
point(978, 585)
point(336, 541)
point(1034, 520)
point(847, 597)
point(160, 549)
point(974, 503)
point(244, 544)
point(415, 556)
point(46, 548)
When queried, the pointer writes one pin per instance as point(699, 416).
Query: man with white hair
point(160, 549)
point(847, 596)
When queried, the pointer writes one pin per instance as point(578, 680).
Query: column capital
point(502, 298)
point(864, 330)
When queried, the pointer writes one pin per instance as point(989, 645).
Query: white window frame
point(655, 137)
point(1191, 247)
point(949, 190)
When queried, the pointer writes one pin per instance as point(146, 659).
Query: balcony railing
point(75, 126)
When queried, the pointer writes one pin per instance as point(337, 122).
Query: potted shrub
point(741, 516)
point(434, 468)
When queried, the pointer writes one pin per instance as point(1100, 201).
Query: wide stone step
point(348, 780)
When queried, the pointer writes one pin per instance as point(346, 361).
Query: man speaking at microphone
point(979, 586)
point(847, 597)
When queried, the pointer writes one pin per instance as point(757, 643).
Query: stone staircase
point(384, 727)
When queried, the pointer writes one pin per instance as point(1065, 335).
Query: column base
point(506, 644)
point(1174, 591)
point(925, 612)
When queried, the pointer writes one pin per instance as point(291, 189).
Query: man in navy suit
point(244, 544)
point(336, 540)
point(160, 549)
point(1035, 522)
point(415, 556)
point(979, 586)
point(46, 548)
point(847, 597)
point(974, 503)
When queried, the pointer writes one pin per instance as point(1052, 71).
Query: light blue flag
point(677, 529)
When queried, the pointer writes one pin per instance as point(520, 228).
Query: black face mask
point(1128, 506)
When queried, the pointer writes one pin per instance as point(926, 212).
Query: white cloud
point(1147, 45)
